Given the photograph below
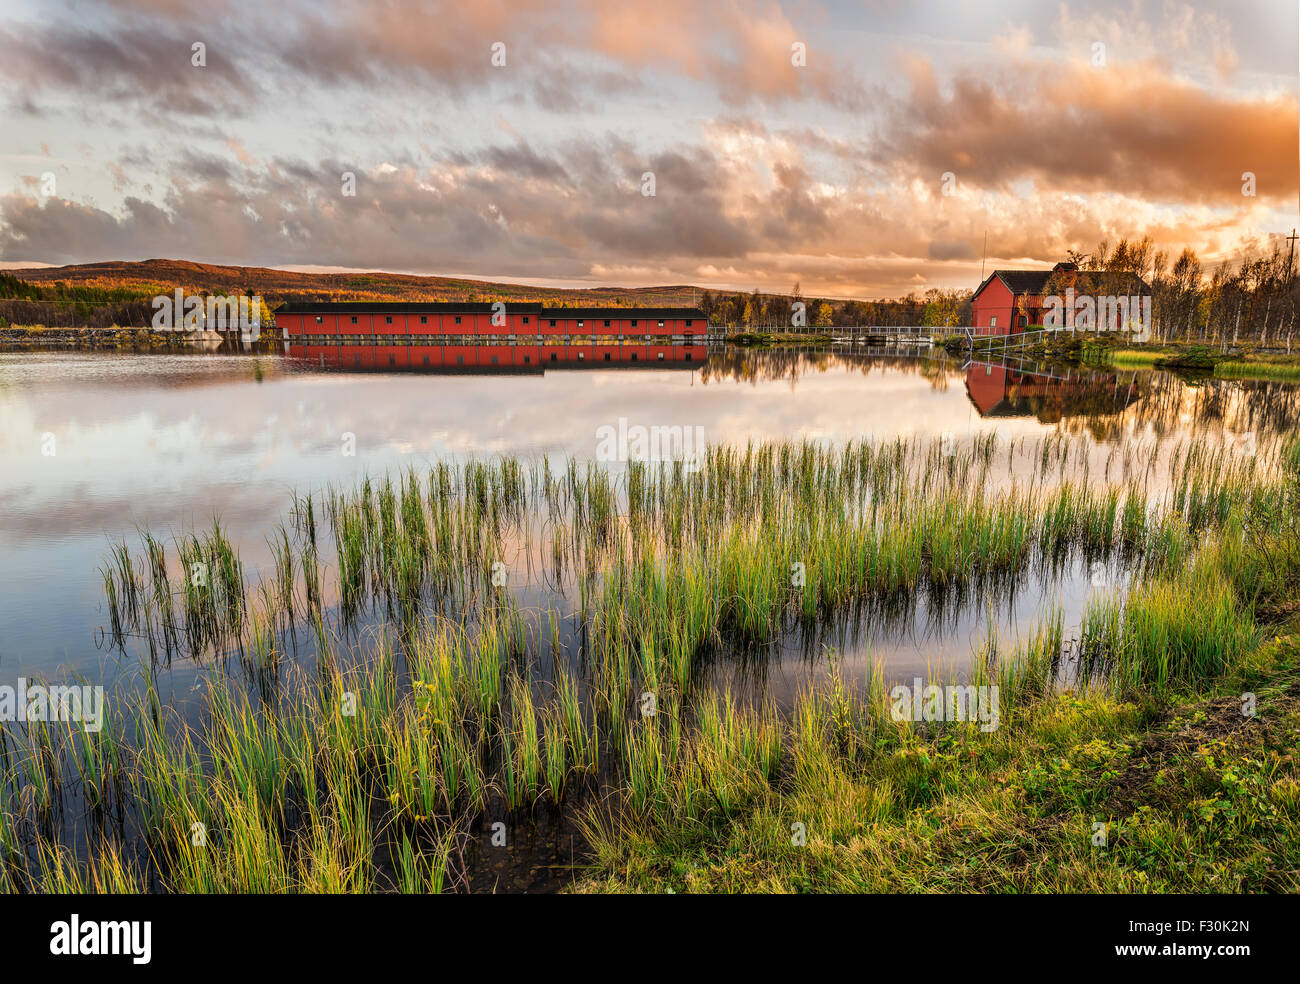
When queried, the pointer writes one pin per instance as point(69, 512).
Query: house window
point(606, 356)
point(688, 323)
point(552, 322)
point(993, 321)
point(661, 324)
point(552, 356)
point(1024, 321)
point(319, 320)
point(633, 322)
point(606, 322)
point(661, 357)
point(528, 360)
point(424, 319)
point(525, 319)
point(388, 321)
point(458, 319)
point(579, 324)
point(354, 319)
point(633, 356)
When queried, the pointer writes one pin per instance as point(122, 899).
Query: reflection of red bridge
point(1000, 390)
point(515, 357)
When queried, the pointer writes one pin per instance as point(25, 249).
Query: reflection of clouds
point(143, 448)
point(287, 431)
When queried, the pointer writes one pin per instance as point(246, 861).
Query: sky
point(861, 149)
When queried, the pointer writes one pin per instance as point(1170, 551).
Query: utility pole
point(1290, 276)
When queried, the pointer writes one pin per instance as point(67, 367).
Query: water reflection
point(170, 441)
point(1050, 395)
point(484, 359)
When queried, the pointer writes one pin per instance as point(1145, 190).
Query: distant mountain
point(164, 276)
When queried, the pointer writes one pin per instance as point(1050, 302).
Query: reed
point(461, 692)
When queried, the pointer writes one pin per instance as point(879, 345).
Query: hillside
point(163, 276)
point(119, 293)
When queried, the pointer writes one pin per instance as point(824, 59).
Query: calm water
point(93, 446)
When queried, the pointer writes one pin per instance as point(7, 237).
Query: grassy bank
point(1253, 365)
point(1285, 369)
point(1136, 358)
point(760, 339)
point(380, 763)
point(44, 338)
point(1084, 792)
point(1173, 772)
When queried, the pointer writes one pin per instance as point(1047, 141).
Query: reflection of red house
point(988, 386)
point(1012, 300)
point(1002, 391)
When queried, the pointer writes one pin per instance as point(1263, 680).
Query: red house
point(1012, 300)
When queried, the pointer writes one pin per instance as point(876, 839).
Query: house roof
point(646, 313)
point(1035, 281)
point(480, 307)
point(1018, 281)
point(392, 307)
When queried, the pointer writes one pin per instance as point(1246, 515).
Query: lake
point(94, 446)
point(97, 448)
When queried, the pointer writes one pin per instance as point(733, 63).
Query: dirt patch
point(1217, 720)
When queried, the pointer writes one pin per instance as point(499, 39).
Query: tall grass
point(352, 771)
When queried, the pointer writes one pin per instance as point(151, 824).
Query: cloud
point(951, 250)
point(150, 67)
point(1126, 128)
point(573, 212)
point(765, 172)
point(566, 55)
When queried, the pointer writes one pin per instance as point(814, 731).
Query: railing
point(894, 333)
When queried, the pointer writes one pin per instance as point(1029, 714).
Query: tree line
point(758, 311)
point(1252, 298)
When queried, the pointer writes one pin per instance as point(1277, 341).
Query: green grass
point(1191, 795)
point(365, 768)
point(1136, 358)
point(1284, 368)
point(761, 339)
point(1257, 369)
point(1156, 753)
